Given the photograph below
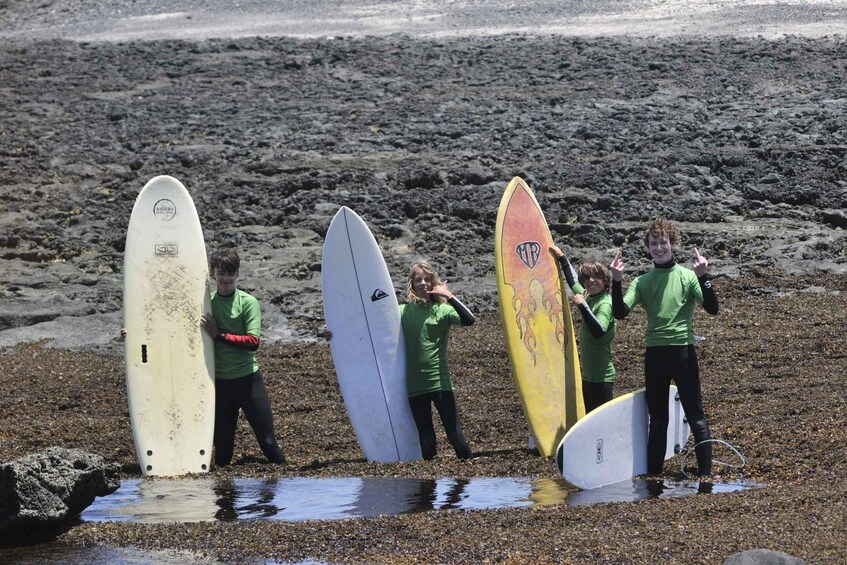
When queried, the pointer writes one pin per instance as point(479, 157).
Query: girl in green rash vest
point(235, 323)
point(426, 322)
point(590, 286)
point(668, 294)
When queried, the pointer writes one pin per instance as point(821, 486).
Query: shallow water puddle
point(202, 500)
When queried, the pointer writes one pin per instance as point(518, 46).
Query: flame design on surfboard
point(536, 319)
point(527, 270)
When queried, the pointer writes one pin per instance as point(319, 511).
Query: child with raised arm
point(668, 294)
point(590, 286)
point(426, 320)
point(235, 323)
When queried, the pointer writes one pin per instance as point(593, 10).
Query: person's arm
point(619, 309)
point(245, 341)
point(252, 321)
point(710, 299)
point(565, 264)
point(465, 316)
point(592, 324)
point(464, 313)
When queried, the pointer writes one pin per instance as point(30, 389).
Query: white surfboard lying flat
point(170, 361)
point(367, 346)
point(609, 444)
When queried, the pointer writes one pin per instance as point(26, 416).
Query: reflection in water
point(196, 500)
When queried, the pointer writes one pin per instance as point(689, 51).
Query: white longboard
point(609, 444)
point(367, 346)
point(170, 360)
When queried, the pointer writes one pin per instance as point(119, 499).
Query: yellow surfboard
point(536, 319)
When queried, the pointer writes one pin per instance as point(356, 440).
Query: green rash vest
point(596, 354)
point(426, 329)
point(239, 314)
point(668, 296)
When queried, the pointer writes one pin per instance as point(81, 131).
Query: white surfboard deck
point(170, 361)
point(609, 444)
point(367, 345)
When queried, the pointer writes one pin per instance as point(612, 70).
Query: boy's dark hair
point(225, 260)
point(595, 269)
point(659, 228)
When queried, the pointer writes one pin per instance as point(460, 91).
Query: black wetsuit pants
point(445, 403)
point(248, 394)
point(662, 364)
point(595, 395)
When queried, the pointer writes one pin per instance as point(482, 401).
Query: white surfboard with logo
point(362, 313)
point(170, 360)
point(609, 444)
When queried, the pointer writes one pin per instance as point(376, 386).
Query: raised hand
point(700, 263)
point(442, 291)
point(617, 267)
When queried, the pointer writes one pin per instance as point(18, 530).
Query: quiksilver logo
point(378, 294)
point(529, 252)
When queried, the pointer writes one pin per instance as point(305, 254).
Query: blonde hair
point(595, 269)
point(427, 269)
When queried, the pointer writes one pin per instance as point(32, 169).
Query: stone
point(43, 490)
point(763, 557)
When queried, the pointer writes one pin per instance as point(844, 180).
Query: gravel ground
point(773, 383)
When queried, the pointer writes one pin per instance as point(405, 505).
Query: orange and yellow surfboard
point(536, 319)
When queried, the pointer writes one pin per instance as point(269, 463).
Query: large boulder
point(43, 490)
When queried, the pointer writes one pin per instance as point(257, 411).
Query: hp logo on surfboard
point(529, 252)
point(378, 294)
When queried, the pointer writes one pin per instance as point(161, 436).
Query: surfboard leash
point(688, 451)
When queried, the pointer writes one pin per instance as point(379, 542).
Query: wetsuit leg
point(595, 395)
point(657, 380)
point(690, 395)
point(257, 409)
point(445, 403)
point(226, 419)
point(422, 413)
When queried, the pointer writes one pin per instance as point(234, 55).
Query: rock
point(763, 557)
point(43, 490)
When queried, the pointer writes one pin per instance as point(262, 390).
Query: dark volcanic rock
point(43, 490)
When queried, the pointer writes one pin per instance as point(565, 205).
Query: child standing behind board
point(426, 321)
point(668, 293)
point(235, 323)
point(590, 288)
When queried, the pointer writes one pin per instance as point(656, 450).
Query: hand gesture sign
point(617, 267)
point(700, 264)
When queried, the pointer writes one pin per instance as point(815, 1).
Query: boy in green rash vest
point(668, 294)
point(235, 323)
point(426, 320)
point(590, 286)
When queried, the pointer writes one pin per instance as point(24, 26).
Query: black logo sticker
point(599, 451)
point(529, 252)
point(378, 294)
